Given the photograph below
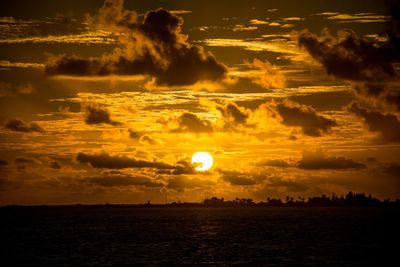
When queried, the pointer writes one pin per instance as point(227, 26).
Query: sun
point(202, 161)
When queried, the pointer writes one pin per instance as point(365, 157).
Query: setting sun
point(203, 161)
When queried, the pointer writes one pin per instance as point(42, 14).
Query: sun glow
point(202, 161)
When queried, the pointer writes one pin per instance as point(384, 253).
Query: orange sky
point(107, 102)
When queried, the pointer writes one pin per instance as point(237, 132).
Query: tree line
point(350, 199)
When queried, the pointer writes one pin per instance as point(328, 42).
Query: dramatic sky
point(106, 101)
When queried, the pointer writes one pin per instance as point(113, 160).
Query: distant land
point(349, 200)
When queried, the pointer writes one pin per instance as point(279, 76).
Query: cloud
point(96, 114)
point(180, 12)
point(291, 186)
point(9, 89)
point(232, 114)
point(232, 118)
point(354, 18)
point(293, 19)
point(314, 161)
point(275, 163)
point(237, 178)
point(270, 76)
point(311, 123)
point(133, 134)
point(3, 162)
point(328, 13)
point(111, 180)
point(24, 161)
point(318, 161)
point(202, 28)
point(180, 183)
point(19, 125)
point(258, 22)
point(284, 47)
point(118, 162)
point(89, 38)
point(350, 57)
point(55, 165)
point(386, 125)
point(154, 47)
point(287, 25)
point(147, 139)
point(391, 169)
point(7, 20)
point(184, 167)
point(144, 138)
point(274, 24)
point(181, 167)
point(370, 66)
point(189, 122)
point(7, 65)
point(239, 28)
point(59, 25)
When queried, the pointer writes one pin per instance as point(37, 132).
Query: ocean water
point(131, 236)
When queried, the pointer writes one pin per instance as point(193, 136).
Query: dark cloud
point(386, 125)
point(189, 122)
point(55, 165)
point(371, 66)
point(122, 180)
point(325, 101)
point(233, 115)
point(116, 162)
point(184, 167)
point(3, 162)
point(154, 47)
point(147, 139)
point(392, 169)
point(290, 186)
point(181, 167)
point(9, 89)
point(318, 161)
point(350, 57)
point(19, 125)
point(133, 134)
point(237, 178)
point(275, 163)
point(23, 161)
point(311, 123)
point(96, 114)
point(144, 138)
point(181, 182)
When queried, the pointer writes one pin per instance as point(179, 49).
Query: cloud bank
point(116, 162)
point(318, 161)
point(154, 47)
point(19, 125)
point(311, 123)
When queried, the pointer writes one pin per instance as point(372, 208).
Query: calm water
point(121, 236)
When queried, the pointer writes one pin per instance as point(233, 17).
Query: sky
point(106, 101)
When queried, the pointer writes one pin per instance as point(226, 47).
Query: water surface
point(127, 236)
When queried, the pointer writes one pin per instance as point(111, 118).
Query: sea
point(165, 236)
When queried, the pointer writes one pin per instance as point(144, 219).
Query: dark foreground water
point(122, 236)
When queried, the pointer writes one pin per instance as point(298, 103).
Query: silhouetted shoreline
point(349, 200)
